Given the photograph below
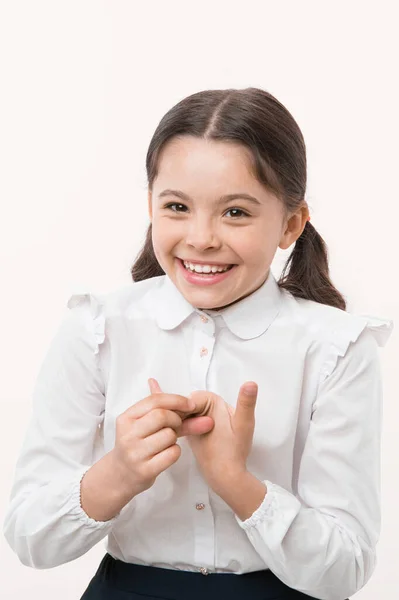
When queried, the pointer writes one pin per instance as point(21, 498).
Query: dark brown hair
point(257, 120)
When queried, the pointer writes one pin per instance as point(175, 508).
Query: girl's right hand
point(146, 436)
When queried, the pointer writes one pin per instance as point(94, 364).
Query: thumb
point(244, 415)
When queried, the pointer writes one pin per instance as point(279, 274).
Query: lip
point(202, 280)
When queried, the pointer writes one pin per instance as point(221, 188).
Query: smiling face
point(192, 221)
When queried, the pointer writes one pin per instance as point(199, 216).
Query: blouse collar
point(248, 318)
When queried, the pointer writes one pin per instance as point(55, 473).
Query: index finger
point(175, 402)
point(154, 386)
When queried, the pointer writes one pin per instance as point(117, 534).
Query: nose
point(202, 235)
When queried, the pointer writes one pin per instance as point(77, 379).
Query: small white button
point(204, 351)
point(200, 506)
point(204, 319)
point(204, 571)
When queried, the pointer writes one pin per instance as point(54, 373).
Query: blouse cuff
point(77, 510)
point(276, 502)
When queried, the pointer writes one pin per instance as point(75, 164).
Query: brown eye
point(175, 204)
point(238, 210)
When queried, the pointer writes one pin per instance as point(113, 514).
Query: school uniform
point(316, 446)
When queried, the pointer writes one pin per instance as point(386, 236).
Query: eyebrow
point(222, 199)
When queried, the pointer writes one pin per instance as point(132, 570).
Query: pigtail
point(146, 264)
point(308, 276)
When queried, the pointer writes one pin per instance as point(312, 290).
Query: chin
point(202, 304)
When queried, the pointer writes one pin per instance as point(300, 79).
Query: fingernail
point(250, 388)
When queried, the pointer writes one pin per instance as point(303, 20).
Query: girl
point(221, 428)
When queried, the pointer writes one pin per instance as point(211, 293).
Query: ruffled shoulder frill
point(342, 337)
point(95, 309)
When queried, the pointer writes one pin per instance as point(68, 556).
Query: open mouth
point(206, 274)
point(207, 270)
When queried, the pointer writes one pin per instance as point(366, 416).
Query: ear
point(150, 204)
point(294, 225)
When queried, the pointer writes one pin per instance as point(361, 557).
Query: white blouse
point(316, 442)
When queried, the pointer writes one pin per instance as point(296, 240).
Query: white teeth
point(205, 268)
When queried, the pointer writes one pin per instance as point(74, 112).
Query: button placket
point(208, 324)
point(203, 520)
point(203, 341)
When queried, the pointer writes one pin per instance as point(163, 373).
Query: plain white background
point(83, 86)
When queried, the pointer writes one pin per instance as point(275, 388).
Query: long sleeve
point(322, 541)
point(45, 524)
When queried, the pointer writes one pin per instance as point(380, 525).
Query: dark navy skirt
point(118, 580)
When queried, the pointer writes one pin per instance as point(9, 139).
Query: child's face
point(200, 229)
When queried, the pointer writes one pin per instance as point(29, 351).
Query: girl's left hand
point(222, 453)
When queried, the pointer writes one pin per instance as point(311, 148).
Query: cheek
point(254, 249)
point(164, 236)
